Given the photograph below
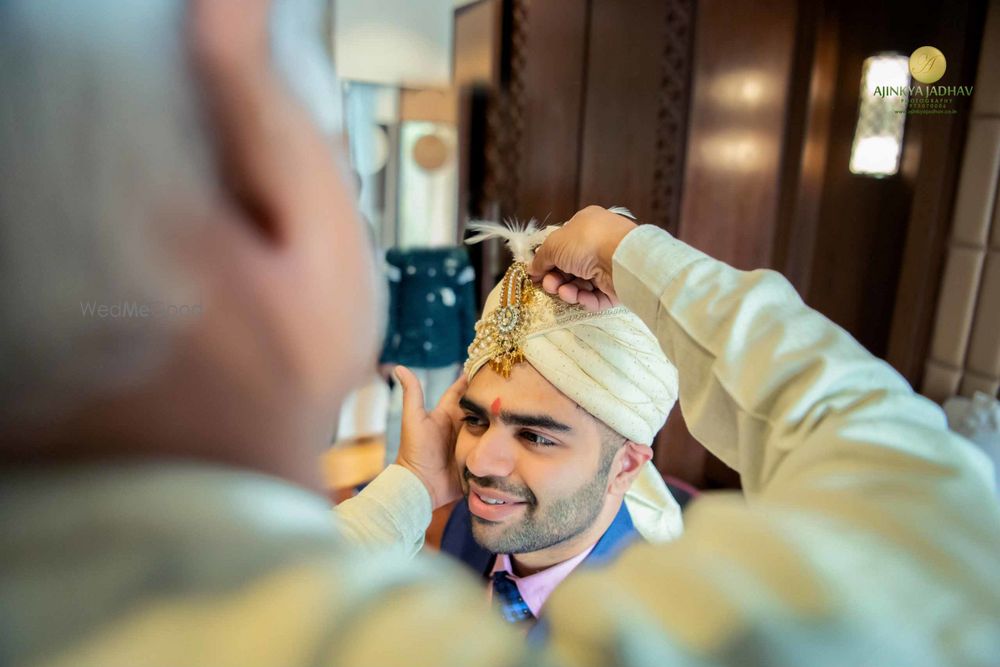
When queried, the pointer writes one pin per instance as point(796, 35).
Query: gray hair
point(105, 157)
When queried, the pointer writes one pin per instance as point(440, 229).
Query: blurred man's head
point(560, 412)
point(184, 272)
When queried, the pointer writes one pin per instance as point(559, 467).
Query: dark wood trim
point(674, 94)
point(549, 95)
point(506, 111)
point(811, 92)
point(493, 10)
point(742, 64)
point(585, 91)
point(634, 121)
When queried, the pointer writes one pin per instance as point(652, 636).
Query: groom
point(553, 450)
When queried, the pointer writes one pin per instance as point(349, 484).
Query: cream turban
point(608, 363)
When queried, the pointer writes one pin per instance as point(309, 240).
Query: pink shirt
point(536, 588)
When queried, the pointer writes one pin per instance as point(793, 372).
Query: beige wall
point(965, 352)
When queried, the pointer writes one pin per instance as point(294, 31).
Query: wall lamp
point(878, 137)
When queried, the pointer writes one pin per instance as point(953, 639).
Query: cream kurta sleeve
point(393, 511)
point(868, 534)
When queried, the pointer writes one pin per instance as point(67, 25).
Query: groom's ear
point(627, 465)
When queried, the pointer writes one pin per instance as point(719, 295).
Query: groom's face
point(535, 465)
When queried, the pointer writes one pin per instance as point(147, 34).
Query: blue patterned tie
point(505, 594)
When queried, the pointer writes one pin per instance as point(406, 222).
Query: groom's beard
point(544, 523)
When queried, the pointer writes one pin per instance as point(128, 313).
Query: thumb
point(413, 393)
point(544, 260)
point(455, 391)
point(449, 403)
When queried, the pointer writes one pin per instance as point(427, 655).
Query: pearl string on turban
point(608, 363)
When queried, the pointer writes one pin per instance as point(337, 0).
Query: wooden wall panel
point(552, 76)
point(638, 72)
point(742, 61)
point(811, 97)
point(742, 64)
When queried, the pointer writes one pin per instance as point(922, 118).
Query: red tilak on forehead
point(495, 406)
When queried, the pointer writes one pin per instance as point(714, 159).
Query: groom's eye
point(473, 422)
point(536, 439)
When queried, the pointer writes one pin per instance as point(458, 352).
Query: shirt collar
point(536, 588)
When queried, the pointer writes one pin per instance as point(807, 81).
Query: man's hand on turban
point(575, 260)
point(427, 442)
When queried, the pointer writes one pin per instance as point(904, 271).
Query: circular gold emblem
point(927, 64)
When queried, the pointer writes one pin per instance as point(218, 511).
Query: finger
point(569, 293)
point(449, 400)
point(413, 393)
point(553, 280)
point(589, 301)
point(545, 256)
point(584, 284)
point(604, 301)
point(541, 264)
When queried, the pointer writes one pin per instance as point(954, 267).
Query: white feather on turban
point(608, 363)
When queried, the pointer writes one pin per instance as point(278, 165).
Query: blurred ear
point(265, 138)
point(228, 44)
point(626, 466)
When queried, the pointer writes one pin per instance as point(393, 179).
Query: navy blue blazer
point(457, 541)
